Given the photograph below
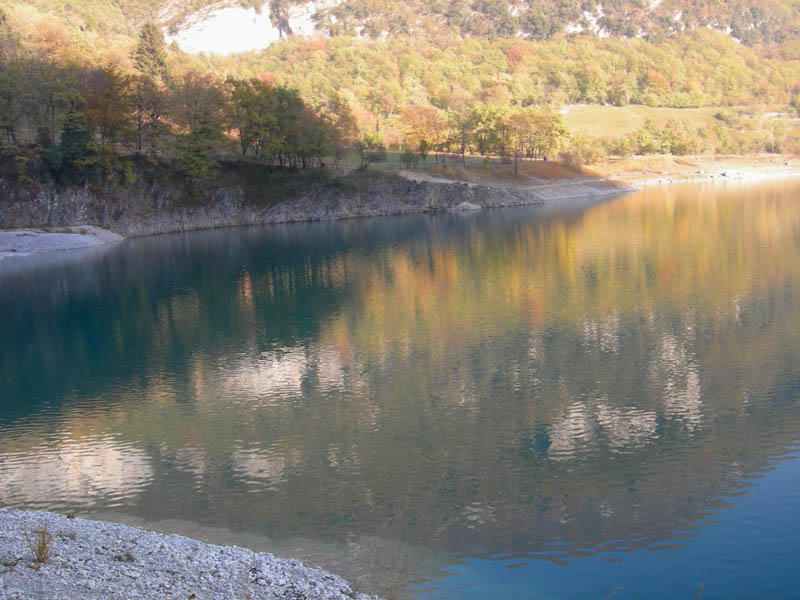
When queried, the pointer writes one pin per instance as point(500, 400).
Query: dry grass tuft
point(551, 170)
point(40, 543)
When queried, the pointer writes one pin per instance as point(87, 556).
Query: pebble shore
point(24, 242)
point(93, 559)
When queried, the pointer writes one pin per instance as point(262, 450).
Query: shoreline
point(437, 194)
point(32, 241)
point(100, 559)
point(654, 170)
point(391, 195)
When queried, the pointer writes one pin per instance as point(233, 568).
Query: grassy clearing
point(613, 121)
point(610, 121)
point(478, 169)
point(524, 173)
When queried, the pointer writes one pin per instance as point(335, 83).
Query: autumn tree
point(461, 124)
point(197, 111)
point(149, 106)
point(549, 134)
point(344, 127)
point(425, 127)
point(11, 100)
point(515, 54)
point(108, 111)
point(248, 113)
point(51, 93)
point(486, 121)
point(314, 139)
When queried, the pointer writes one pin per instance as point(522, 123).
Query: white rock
point(464, 206)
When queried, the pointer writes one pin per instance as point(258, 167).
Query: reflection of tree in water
point(86, 470)
point(503, 381)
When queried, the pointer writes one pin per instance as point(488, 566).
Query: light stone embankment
point(149, 209)
point(99, 560)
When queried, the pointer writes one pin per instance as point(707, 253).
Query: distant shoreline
point(648, 171)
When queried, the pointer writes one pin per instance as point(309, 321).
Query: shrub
point(584, 151)
point(409, 159)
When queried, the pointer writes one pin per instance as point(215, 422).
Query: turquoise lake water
point(572, 401)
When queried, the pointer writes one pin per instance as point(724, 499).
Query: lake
point(571, 401)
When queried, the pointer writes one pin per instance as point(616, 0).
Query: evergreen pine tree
point(77, 151)
point(150, 55)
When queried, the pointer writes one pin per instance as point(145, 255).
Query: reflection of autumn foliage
point(634, 256)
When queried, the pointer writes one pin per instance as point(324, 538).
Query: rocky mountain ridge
point(225, 26)
point(238, 26)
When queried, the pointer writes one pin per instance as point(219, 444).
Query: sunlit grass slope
point(602, 121)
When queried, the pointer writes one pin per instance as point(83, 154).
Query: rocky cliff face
point(146, 209)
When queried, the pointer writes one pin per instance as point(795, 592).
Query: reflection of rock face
point(578, 432)
point(478, 515)
point(605, 333)
point(571, 434)
point(74, 472)
point(626, 428)
point(192, 460)
point(674, 374)
point(252, 464)
point(273, 374)
point(280, 374)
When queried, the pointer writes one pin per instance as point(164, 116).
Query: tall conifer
point(150, 55)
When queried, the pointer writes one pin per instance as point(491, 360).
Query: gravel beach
point(24, 242)
point(93, 560)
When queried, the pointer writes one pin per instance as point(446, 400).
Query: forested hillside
point(480, 77)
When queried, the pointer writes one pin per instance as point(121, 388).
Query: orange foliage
point(656, 81)
point(515, 54)
point(267, 77)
